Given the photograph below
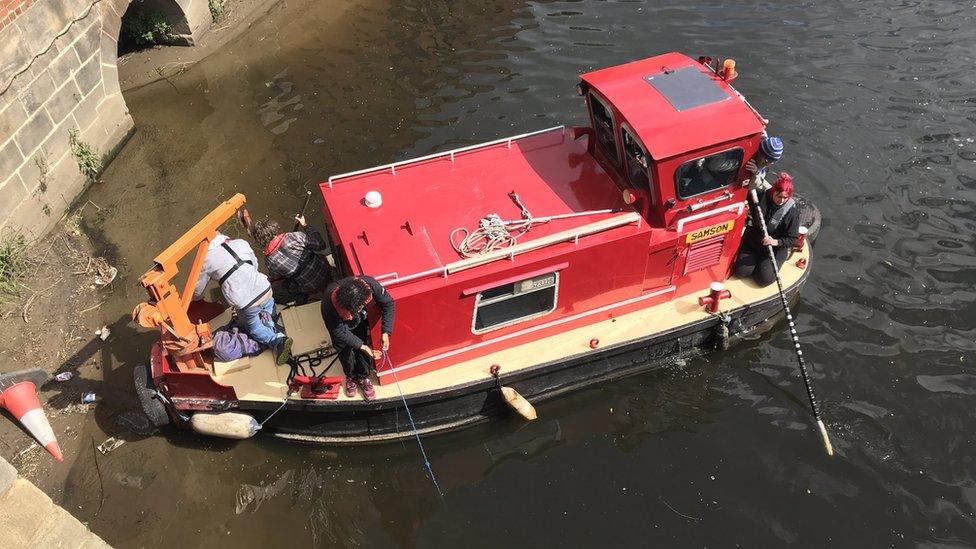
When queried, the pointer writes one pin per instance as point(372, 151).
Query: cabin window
point(515, 302)
point(603, 127)
point(708, 173)
point(637, 160)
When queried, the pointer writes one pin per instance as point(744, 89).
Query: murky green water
point(875, 102)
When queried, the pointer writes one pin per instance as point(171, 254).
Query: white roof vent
point(373, 199)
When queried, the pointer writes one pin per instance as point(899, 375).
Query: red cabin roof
point(423, 201)
point(675, 104)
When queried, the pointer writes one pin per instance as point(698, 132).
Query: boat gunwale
point(325, 406)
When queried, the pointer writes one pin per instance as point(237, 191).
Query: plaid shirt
point(292, 258)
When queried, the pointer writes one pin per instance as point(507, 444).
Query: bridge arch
point(61, 106)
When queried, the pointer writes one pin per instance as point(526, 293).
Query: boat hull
point(461, 406)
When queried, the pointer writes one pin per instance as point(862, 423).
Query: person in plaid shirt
point(296, 269)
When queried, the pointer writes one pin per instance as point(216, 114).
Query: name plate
point(709, 232)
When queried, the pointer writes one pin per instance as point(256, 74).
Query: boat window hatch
point(707, 174)
point(637, 160)
point(507, 304)
point(603, 126)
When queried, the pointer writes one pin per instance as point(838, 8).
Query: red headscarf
point(784, 184)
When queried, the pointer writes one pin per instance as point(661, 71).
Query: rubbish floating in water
point(249, 494)
point(64, 376)
point(88, 398)
point(111, 443)
point(103, 332)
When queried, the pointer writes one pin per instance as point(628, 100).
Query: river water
point(876, 105)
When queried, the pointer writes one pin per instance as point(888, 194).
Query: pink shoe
point(350, 387)
point(369, 393)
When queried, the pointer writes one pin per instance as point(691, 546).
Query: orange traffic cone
point(20, 399)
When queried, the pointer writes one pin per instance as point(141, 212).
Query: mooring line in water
point(754, 198)
point(430, 470)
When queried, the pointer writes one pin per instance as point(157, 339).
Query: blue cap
point(772, 147)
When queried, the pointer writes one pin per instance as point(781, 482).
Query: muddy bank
point(58, 313)
point(56, 322)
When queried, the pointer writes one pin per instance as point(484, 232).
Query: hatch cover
point(687, 88)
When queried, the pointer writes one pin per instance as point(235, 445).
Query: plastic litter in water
point(110, 443)
point(64, 376)
point(88, 398)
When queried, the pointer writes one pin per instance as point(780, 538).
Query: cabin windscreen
point(516, 302)
point(603, 127)
point(708, 173)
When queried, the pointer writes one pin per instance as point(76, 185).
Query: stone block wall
point(58, 77)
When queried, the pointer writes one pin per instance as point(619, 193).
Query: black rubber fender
point(810, 216)
point(145, 390)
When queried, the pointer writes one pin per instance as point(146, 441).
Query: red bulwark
point(665, 130)
point(423, 202)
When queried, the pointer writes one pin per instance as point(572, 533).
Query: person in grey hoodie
point(233, 265)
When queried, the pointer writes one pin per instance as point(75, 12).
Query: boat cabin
point(645, 205)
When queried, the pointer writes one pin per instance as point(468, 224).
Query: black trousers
point(355, 363)
point(284, 293)
point(755, 263)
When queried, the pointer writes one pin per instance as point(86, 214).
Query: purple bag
point(230, 343)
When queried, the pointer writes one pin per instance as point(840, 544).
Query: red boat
point(543, 263)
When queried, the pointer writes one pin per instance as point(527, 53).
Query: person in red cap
point(344, 313)
point(783, 227)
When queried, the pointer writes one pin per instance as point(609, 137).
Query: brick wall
point(10, 9)
point(58, 76)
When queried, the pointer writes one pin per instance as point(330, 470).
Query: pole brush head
point(826, 439)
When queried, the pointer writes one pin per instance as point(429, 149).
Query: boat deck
point(425, 200)
point(258, 379)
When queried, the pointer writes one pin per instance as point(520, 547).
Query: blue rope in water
point(430, 470)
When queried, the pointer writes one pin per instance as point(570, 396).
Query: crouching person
point(233, 265)
point(296, 269)
point(783, 227)
point(344, 313)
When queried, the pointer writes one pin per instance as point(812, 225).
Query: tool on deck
point(754, 199)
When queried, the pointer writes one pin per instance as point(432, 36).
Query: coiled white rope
point(492, 234)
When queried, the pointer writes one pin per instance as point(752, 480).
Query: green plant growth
point(146, 27)
point(217, 9)
point(13, 264)
point(88, 162)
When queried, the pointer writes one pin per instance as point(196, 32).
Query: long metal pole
point(789, 317)
point(308, 196)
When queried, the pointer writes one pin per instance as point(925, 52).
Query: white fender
point(237, 425)
point(518, 403)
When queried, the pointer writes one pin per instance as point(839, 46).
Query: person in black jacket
point(783, 225)
point(344, 313)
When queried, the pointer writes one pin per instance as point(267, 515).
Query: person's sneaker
point(351, 388)
point(369, 393)
point(282, 350)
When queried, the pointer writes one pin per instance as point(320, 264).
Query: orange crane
point(167, 307)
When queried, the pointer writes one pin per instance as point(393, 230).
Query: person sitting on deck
point(783, 225)
point(233, 264)
point(344, 313)
point(296, 269)
point(770, 150)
